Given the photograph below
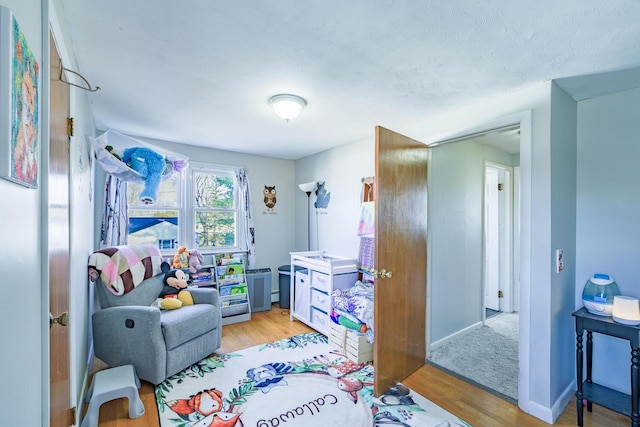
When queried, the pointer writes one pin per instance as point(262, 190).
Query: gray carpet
point(487, 356)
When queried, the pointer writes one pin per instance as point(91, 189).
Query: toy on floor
point(195, 260)
point(181, 258)
point(174, 294)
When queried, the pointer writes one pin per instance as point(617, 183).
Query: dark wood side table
point(596, 393)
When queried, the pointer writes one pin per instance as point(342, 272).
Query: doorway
point(473, 198)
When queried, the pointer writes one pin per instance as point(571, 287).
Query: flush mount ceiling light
point(287, 106)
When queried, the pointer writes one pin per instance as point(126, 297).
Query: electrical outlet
point(559, 260)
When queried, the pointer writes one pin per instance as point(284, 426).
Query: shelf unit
point(311, 286)
point(230, 278)
point(203, 277)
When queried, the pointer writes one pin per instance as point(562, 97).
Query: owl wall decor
point(270, 198)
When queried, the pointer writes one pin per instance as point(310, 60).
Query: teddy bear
point(181, 258)
point(195, 260)
point(174, 294)
point(152, 166)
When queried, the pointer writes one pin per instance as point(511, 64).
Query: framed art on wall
point(19, 104)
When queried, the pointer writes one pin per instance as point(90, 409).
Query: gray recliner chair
point(158, 343)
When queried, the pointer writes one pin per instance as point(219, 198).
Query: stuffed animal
point(152, 166)
point(181, 258)
point(195, 260)
point(174, 294)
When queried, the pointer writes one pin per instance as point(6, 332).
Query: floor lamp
point(308, 187)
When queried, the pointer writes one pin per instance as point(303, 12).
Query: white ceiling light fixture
point(287, 106)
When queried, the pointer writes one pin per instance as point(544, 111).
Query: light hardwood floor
point(477, 407)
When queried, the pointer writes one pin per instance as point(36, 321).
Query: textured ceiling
point(201, 72)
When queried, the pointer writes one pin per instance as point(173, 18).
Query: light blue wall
point(456, 213)
point(334, 229)
point(608, 212)
point(579, 164)
point(532, 108)
point(563, 236)
point(274, 232)
point(23, 343)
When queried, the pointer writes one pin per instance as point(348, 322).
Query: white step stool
point(110, 384)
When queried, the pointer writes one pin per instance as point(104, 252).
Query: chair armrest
point(131, 335)
point(205, 296)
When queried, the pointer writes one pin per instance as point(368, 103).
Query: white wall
point(274, 232)
point(21, 364)
point(334, 229)
point(456, 245)
point(608, 209)
point(560, 301)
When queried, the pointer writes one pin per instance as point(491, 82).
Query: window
point(196, 209)
point(156, 224)
point(214, 209)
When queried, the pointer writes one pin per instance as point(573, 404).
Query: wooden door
point(401, 251)
point(58, 244)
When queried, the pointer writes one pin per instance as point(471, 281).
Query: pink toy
point(195, 260)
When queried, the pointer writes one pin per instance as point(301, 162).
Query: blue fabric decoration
point(151, 166)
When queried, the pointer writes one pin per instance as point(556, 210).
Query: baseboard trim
point(561, 403)
point(85, 386)
point(437, 344)
point(550, 415)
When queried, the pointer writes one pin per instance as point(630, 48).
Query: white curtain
point(114, 217)
point(245, 206)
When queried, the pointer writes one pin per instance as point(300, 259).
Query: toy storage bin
point(358, 348)
point(351, 343)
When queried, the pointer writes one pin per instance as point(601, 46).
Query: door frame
point(58, 162)
point(523, 250)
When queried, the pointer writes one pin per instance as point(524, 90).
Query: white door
point(491, 240)
point(499, 257)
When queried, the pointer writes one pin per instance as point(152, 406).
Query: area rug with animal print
point(297, 381)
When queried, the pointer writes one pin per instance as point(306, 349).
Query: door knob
point(62, 320)
point(384, 274)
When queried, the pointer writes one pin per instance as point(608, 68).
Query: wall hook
point(88, 87)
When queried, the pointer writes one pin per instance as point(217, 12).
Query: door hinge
point(73, 412)
point(500, 187)
point(500, 294)
point(70, 126)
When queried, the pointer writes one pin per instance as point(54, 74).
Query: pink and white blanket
point(122, 268)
